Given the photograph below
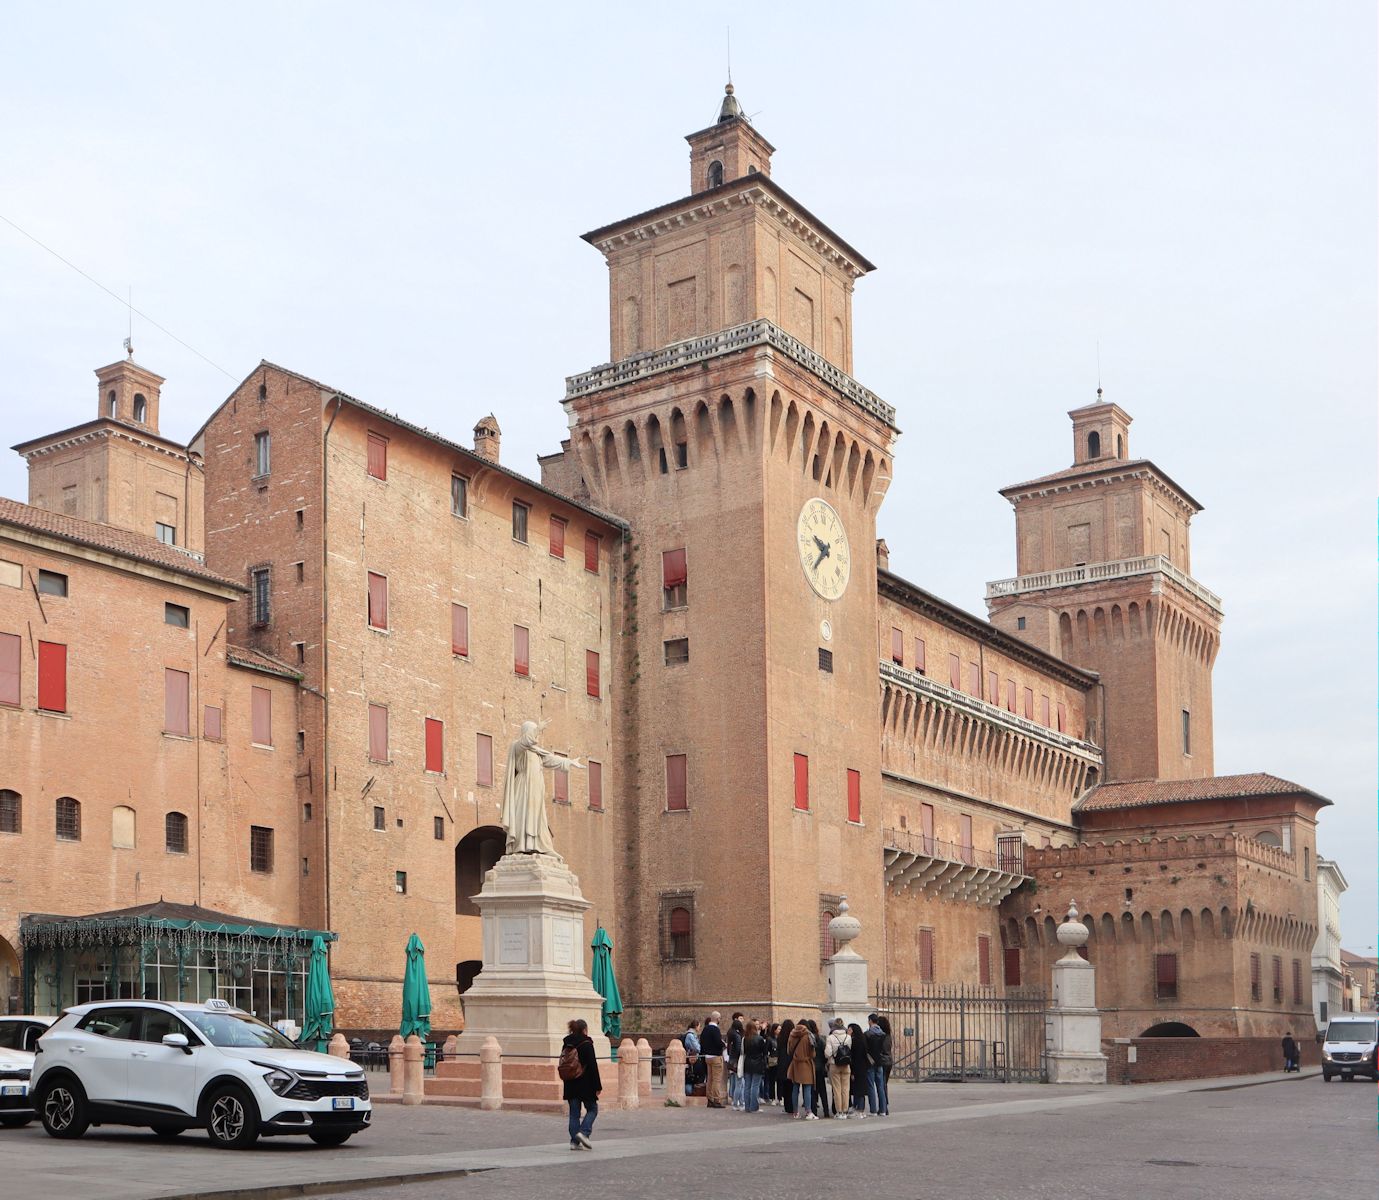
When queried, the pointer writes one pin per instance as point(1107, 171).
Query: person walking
point(753, 1067)
point(1290, 1053)
point(801, 1072)
point(879, 1054)
point(861, 1064)
point(694, 1061)
point(712, 1047)
point(820, 1106)
point(735, 1061)
point(838, 1053)
point(579, 1070)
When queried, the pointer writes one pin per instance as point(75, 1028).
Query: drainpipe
point(325, 654)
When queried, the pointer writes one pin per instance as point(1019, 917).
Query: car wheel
point(168, 1131)
point(63, 1106)
point(1326, 1076)
point(14, 1122)
point(330, 1137)
point(232, 1118)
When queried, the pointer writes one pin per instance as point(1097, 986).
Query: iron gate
point(960, 1032)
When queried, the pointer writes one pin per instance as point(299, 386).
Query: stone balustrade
point(1149, 564)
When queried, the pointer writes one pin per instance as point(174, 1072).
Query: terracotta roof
point(119, 423)
point(1358, 959)
point(1091, 470)
point(1140, 792)
point(110, 538)
point(257, 660)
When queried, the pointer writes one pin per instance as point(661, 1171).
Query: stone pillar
point(395, 1065)
point(1073, 1024)
point(627, 1073)
point(490, 1074)
point(412, 1084)
point(338, 1046)
point(643, 1068)
point(848, 994)
point(448, 1050)
point(675, 1071)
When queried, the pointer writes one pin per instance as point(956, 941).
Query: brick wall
point(1158, 1060)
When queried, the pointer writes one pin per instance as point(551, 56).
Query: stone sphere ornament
point(843, 928)
point(1072, 933)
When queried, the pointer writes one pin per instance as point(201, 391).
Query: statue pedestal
point(534, 978)
point(1073, 1025)
point(848, 995)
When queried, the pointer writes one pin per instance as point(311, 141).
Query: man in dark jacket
point(711, 1043)
point(583, 1090)
point(734, 1057)
point(879, 1052)
point(1290, 1053)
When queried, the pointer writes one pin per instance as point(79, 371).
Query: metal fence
point(960, 1032)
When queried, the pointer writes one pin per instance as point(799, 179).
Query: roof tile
point(1139, 792)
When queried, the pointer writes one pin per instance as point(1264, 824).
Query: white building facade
point(1327, 973)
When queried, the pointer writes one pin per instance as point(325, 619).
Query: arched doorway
point(476, 852)
point(1170, 1029)
point(10, 999)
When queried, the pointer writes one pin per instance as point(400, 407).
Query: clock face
point(823, 547)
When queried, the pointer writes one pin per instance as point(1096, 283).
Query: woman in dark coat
point(753, 1067)
point(820, 1106)
point(583, 1090)
point(860, 1062)
point(768, 1082)
point(783, 1065)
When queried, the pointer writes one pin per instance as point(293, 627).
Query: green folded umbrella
point(416, 996)
point(606, 984)
point(320, 1000)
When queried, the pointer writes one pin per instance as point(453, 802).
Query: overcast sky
point(389, 198)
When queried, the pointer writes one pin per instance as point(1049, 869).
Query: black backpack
point(842, 1055)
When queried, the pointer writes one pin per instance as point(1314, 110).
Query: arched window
point(68, 813)
point(263, 391)
point(827, 948)
point(1093, 444)
point(175, 832)
point(140, 408)
point(681, 933)
point(11, 812)
point(112, 405)
point(1268, 837)
point(715, 174)
point(1120, 446)
point(122, 827)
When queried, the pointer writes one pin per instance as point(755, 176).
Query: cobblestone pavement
point(1216, 1139)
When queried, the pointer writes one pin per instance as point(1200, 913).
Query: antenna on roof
point(730, 54)
point(129, 341)
point(1098, 368)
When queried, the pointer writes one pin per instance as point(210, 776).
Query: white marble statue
point(524, 792)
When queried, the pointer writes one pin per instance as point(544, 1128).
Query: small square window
point(400, 882)
point(380, 819)
point(177, 614)
point(438, 828)
point(520, 512)
point(677, 651)
point(167, 534)
point(52, 583)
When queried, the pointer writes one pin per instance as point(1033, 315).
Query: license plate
point(342, 1102)
point(14, 1089)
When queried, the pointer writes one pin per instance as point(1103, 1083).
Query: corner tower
point(1104, 561)
point(751, 465)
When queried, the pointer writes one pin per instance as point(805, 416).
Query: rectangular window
point(380, 818)
point(459, 630)
point(591, 553)
point(677, 794)
point(300, 648)
point(378, 732)
point(854, 796)
point(826, 660)
point(965, 822)
point(993, 688)
point(1307, 862)
point(926, 827)
point(260, 849)
point(557, 537)
point(378, 456)
point(1187, 732)
point(52, 677)
point(519, 522)
point(955, 672)
point(261, 716)
point(521, 650)
point(176, 690)
point(263, 454)
point(11, 574)
point(674, 578)
point(974, 680)
point(1277, 965)
point(681, 455)
point(898, 647)
point(677, 651)
point(595, 785)
point(167, 534)
point(1044, 711)
point(11, 646)
point(260, 596)
point(984, 959)
point(677, 926)
point(378, 601)
point(919, 655)
point(1010, 853)
point(925, 948)
point(483, 760)
point(459, 496)
point(1166, 976)
point(178, 615)
point(435, 745)
point(591, 673)
point(299, 569)
point(1011, 958)
point(301, 741)
point(1256, 978)
point(1297, 981)
point(1062, 718)
point(210, 722)
point(802, 782)
point(1010, 695)
point(400, 882)
point(438, 828)
point(560, 787)
point(11, 812)
point(52, 583)
point(1029, 704)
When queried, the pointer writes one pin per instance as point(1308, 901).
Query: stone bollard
point(395, 1065)
point(450, 1048)
point(675, 1071)
point(643, 1068)
point(627, 1073)
point(490, 1074)
point(412, 1086)
point(338, 1046)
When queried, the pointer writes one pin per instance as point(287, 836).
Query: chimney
point(883, 554)
point(487, 436)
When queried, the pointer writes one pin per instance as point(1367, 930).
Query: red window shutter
point(926, 955)
point(521, 650)
point(674, 570)
point(595, 785)
point(560, 792)
point(591, 553)
point(435, 745)
point(1166, 971)
point(176, 691)
point(1012, 966)
point(483, 760)
point(897, 647)
point(974, 680)
point(261, 716)
point(919, 655)
point(459, 630)
point(854, 795)
point(52, 676)
point(557, 537)
point(591, 672)
point(210, 722)
point(677, 797)
point(984, 960)
point(1044, 711)
point(802, 782)
point(926, 826)
point(10, 646)
point(378, 456)
point(1062, 718)
point(1029, 704)
point(993, 688)
point(966, 839)
point(378, 733)
point(1010, 695)
point(955, 672)
point(378, 601)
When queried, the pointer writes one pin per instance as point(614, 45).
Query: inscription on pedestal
point(512, 940)
point(1076, 990)
point(564, 946)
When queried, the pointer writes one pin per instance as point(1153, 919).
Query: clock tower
point(728, 430)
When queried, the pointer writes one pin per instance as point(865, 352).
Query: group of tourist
point(841, 1073)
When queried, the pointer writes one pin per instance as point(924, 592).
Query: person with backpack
point(579, 1071)
point(879, 1054)
point(838, 1052)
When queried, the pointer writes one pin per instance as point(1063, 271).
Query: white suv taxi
point(173, 1067)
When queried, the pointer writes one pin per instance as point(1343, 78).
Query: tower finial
point(730, 107)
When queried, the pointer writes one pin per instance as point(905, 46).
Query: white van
point(1349, 1049)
